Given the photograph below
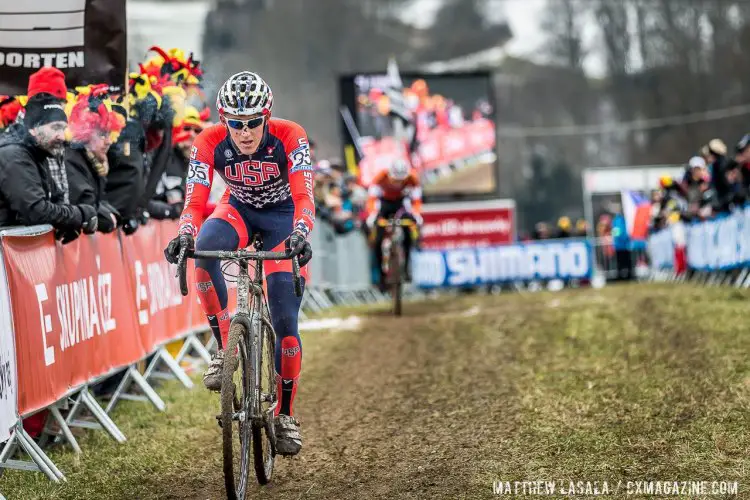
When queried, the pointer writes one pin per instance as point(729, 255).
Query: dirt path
point(397, 410)
point(621, 384)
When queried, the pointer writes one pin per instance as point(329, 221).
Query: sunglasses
point(197, 130)
point(252, 123)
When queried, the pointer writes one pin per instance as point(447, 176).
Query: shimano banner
point(720, 244)
point(562, 259)
point(661, 249)
point(86, 39)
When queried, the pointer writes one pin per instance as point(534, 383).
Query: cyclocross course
point(626, 383)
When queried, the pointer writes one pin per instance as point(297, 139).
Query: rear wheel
point(236, 399)
point(264, 451)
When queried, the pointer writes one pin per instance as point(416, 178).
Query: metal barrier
point(620, 264)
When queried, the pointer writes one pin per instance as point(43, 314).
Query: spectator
point(125, 180)
point(621, 242)
point(9, 108)
point(742, 158)
point(92, 126)
point(355, 193)
point(541, 231)
point(696, 182)
point(717, 161)
point(171, 187)
point(563, 227)
point(582, 228)
point(28, 195)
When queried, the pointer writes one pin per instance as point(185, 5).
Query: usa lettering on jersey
point(252, 173)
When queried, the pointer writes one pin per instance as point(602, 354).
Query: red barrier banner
point(160, 308)
point(100, 302)
point(468, 224)
point(73, 313)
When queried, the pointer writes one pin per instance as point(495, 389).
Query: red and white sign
point(468, 224)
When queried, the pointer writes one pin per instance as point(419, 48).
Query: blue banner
point(556, 259)
point(719, 244)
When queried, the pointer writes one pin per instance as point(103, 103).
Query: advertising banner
point(72, 313)
point(468, 224)
point(560, 259)
point(85, 39)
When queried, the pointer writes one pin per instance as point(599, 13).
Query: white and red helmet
point(245, 94)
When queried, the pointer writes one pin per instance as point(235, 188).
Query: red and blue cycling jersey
point(281, 169)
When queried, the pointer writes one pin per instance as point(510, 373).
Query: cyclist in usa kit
point(266, 165)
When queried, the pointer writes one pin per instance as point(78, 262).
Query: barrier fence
point(74, 315)
point(713, 251)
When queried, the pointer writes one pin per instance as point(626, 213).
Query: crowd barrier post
point(191, 342)
point(162, 355)
point(86, 400)
point(40, 461)
point(63, 432)
point(133, 376)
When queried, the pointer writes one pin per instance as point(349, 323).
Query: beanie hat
point(47, 80)
point(42, 109)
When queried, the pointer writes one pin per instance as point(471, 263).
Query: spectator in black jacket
point(171, 186)
point(718, 163)
point(28, 194)
point(125, 179)
point(742, 158)
point(92, 125)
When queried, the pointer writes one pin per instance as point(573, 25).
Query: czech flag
point(637, 212)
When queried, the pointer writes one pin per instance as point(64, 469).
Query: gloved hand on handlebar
point(298, 245)
point(172, 252)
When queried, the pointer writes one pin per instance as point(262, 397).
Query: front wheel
point(396, 275)
point(236, 387)
point(264, 450)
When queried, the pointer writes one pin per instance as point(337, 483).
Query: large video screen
point(452, 137)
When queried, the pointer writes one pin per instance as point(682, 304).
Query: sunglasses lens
point(236, 124)
point(255, 122)
point(240, 124)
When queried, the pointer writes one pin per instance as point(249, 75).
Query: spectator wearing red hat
point(47, 84)
point(92, 125)
point(28, 193)
point(48, 81)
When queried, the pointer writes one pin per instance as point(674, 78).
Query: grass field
point(628, 383)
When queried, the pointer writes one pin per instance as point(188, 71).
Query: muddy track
point(399, 409)
point(626, 383)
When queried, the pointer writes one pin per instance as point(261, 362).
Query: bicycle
point(394, 259)
point(248, 388)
